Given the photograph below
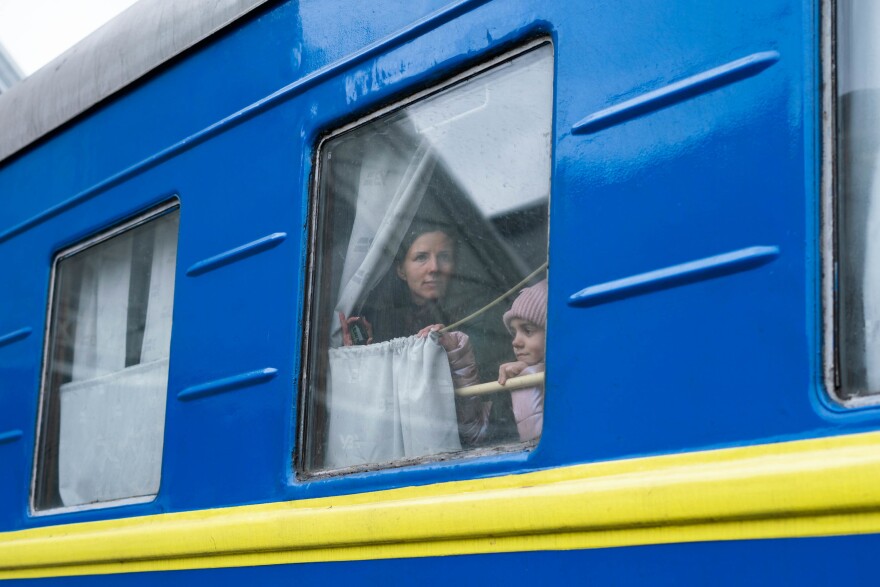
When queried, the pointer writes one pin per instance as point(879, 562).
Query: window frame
point(38, 463)
point(828, 197)
point(317, 211)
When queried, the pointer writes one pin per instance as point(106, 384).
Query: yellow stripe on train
point(804, 488)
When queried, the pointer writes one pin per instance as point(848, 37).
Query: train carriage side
point(693, 174)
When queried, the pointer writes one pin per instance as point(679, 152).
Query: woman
point(412, 294)
point(410, 301)
point(416, 286)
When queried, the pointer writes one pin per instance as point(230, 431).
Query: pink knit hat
point(530, 304)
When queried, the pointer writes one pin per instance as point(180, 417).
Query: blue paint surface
point(674, 276)
point(15, 336)
point(236, 254)
point(804, 562)
point(679, 91)
point(231, 383)
point(230, 129)
point(8, 436)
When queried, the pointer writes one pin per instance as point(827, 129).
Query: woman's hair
point(417, 229)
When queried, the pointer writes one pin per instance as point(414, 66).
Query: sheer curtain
point(112, 414)
point(390, 188)
point(394, 399)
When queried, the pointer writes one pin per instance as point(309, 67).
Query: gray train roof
point(143, 37)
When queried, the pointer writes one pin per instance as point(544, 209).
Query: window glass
point(424, 216)
point(103, 406)
point(858, 188)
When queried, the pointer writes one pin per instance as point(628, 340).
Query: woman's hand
point(509, 370)
point(428, 330)
point(447, 341)
point(459, 352)
point(349, 324)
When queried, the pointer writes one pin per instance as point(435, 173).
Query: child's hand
point(508, 370)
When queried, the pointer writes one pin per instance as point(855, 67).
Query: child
point(526, 321)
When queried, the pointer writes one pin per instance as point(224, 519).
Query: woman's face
point(428, 266)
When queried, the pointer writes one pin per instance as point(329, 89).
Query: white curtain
point(390, 188)
point(112, 416)
point(393, 400)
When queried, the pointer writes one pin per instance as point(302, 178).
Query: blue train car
point(207, 210)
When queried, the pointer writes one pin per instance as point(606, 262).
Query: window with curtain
point(104, 387)
point(429, 276)
point(857, 59)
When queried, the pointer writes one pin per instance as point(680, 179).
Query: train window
point(856, 101)
point(425, 214)
point(104, 384)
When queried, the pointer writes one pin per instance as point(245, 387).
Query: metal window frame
point(48, 330)
point(315, 235)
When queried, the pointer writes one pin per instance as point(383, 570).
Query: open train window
point(425, 214)
point(852, 204)
point(102, 413)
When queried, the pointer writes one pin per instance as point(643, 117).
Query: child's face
point(528, 341)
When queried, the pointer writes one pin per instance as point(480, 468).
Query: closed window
point(429, 275)
point(852, 288)
point(105, 380)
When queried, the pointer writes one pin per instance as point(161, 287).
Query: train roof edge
point(131, 45)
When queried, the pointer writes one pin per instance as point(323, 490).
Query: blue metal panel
point(230, 129)
point(802, 561)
